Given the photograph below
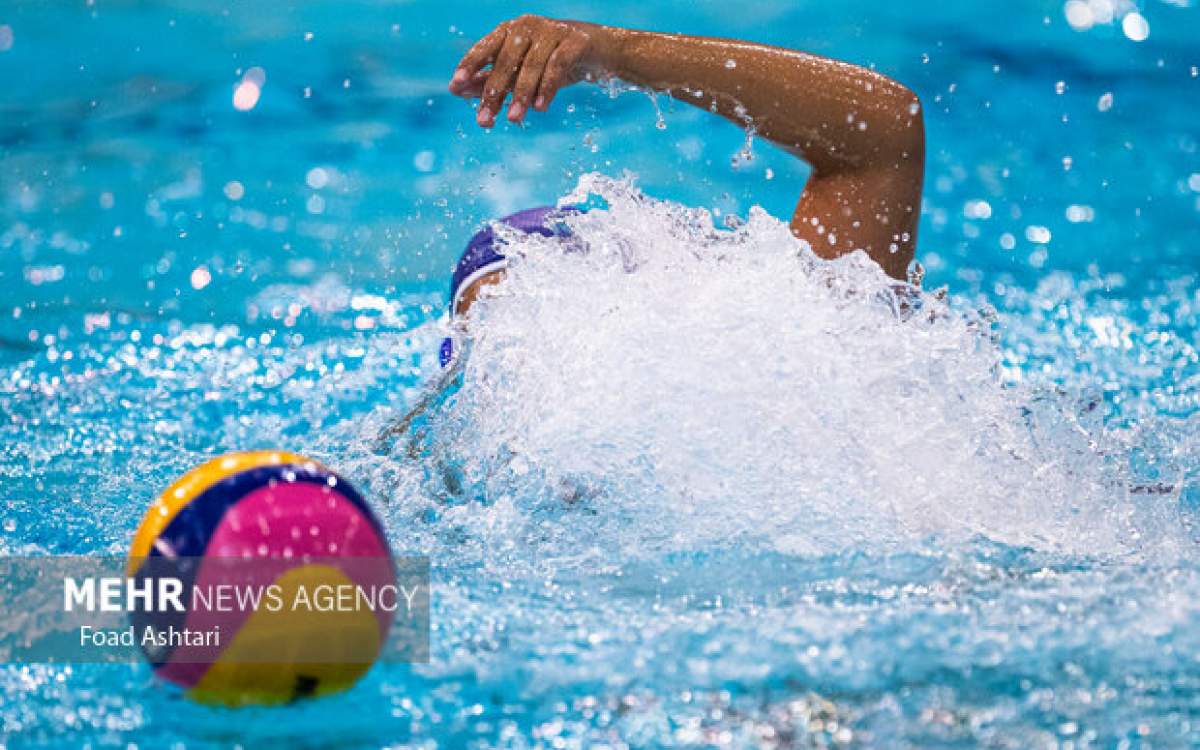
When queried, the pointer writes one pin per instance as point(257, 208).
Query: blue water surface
point(179, 278)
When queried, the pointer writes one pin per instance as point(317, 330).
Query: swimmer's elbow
point(893, 141)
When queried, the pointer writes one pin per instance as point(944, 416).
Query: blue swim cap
point(482, 255)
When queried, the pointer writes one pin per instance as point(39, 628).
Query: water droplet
point(200, 277)
point(1135, 26)
point(246, 95)
point(1037, 234)
point(1077, 213)
point(316, 178)
point(255, 75)
point(424, 160)
point(1079, 15)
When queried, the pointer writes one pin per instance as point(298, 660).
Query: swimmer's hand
point(531, 58)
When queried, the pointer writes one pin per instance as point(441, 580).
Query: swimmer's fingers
point(560, 69)
point(473, 89)
point(531, 75)
point(481, 54)
point(504, 72)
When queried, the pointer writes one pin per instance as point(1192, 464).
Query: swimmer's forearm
point(833, 114)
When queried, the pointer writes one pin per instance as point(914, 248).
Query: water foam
point(664, 385)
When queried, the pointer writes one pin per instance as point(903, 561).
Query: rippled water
point(695, 487)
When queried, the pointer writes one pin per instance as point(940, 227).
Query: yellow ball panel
point(271, 657)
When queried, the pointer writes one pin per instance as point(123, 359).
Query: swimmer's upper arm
point(870, 202)
point(862, 132)
point(874, 207)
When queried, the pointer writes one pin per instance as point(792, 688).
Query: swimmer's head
point(483, 261)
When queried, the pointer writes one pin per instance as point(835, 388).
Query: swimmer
point(861, 132)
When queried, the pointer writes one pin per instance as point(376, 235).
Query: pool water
point(695, 487)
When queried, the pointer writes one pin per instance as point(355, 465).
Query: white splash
point(657, 384)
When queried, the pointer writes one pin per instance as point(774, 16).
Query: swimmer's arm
point(862, 132)
point(385, 441)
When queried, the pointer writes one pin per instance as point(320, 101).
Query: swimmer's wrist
point(632, 55)
point(603, 57)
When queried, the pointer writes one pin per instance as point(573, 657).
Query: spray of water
point(658, 384)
